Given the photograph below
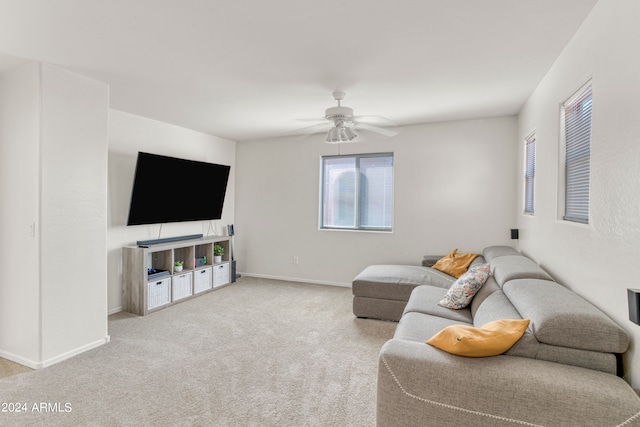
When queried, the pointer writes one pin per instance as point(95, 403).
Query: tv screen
point(168, 189)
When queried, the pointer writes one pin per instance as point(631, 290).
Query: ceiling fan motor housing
point(339, 113)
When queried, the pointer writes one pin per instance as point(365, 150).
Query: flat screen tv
point(168, 189)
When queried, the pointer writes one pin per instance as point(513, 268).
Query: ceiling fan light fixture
point(333, 135)
point(340, 133)
point(351, 135)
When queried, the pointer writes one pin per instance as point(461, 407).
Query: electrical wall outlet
point(296, 260)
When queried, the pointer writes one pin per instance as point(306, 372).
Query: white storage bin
point(181, 286)
point(158, 293)
point(201, 280)
point(220, 274)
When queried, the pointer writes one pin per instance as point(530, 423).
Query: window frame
point(576, 178)
point(529, 173)
point(358, 225)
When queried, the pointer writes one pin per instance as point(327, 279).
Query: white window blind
point(577, 131)
point(530, 174)
point(357, 192)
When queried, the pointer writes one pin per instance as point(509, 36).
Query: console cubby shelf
point(143, 294)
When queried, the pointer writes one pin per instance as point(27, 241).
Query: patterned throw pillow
point(462, 290)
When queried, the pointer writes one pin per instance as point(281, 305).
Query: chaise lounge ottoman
point(382, 291)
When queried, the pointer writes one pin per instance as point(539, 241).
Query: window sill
point(356, 230)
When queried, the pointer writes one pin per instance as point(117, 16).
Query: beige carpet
point(9, 368)
point(255, 353)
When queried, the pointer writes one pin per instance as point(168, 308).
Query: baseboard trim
point(19, 359)
point(75, 352)
point(39, 365)
point(114, 311)
point(294, 279)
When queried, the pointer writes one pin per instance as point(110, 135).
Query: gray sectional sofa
point(564, 371)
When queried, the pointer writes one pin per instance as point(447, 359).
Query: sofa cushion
point(491, 339)
point(396, 281)
point(489, 287)
point(596, 360)
point(511, 267)
point(492, 252)
point(464, 289)
point(454, 264)
point(527, 346)
point(561, 317)
point(424, 299)
point(495, 307)
point(478, 260)
point(419, 327)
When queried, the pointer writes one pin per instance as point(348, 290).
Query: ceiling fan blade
point(375, 121)
point(376, 129)
point(319, 119)
point(309, 130)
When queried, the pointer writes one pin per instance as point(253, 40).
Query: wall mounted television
point(168, 189)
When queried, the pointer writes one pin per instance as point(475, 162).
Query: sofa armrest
point(430, 260)
point(421, 385)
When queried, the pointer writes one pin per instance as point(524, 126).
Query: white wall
point(19, 196)
point(54, 158)
point(129, 134)
point(454, 188)
point(598, 261)
point(73, 229)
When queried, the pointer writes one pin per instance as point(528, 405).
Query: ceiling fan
point(345, 127)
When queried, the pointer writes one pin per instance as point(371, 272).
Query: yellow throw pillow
point(491, 339)
point(454, 264)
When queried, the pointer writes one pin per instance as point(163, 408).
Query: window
point(530, 173)
point(577, 142)
point(357, 192)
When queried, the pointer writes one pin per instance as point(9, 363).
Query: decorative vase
point(177, 268)
point(217, 259)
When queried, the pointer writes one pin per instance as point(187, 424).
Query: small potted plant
point(218, 251)
point(177, 266)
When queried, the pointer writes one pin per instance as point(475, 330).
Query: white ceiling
point(247, 69)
